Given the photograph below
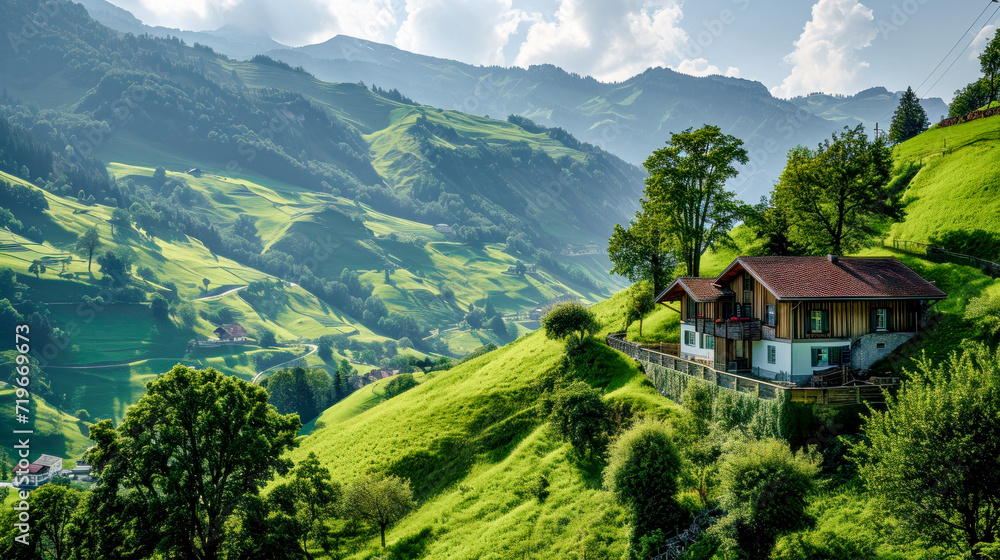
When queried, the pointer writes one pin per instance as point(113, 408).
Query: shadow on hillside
point(446, 461)
point(501, 423)
point(599, 365)
point(590, 469)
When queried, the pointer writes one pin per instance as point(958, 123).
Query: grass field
point(958, 183)
point(471, 440)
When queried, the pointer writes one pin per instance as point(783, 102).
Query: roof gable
point(790, 278)
point(699, 289)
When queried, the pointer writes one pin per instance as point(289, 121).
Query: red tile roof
point(840, 278)
point(700, 289)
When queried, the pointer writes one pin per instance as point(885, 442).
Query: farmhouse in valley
point(788, 318)
point(40, 471)
point(232, 332)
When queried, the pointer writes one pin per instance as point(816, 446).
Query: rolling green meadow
point(390, 264)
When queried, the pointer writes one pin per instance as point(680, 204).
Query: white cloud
point(608, 39)
point(701, 67)
point(474, 31)
point(985, 35)
point(825, 55)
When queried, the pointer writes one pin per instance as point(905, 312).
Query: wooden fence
point(850, 394)
point(988, 267)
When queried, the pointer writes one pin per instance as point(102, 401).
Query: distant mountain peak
point(872, 92)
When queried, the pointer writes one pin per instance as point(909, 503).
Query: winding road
point(312, 350)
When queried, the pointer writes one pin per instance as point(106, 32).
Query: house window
point(880, 345)
point(772, 354)
point(818, 322)
point(769, 312)
point(689, 338)
point(708, 342)
point(747, 283)
point(820, 357)
point(689, 308)
point(830, 356)
point(881, 319)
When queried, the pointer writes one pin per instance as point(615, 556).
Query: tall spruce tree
point(909, 120)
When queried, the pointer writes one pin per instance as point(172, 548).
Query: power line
point(960, 38)
point(965, 49)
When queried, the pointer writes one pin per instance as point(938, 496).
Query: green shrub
point(399, 385)
point(642, 473)
point(764, 490)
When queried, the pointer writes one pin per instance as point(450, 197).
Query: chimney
point(832, 258)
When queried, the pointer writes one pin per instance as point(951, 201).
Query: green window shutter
point(874, 320)
point(888, 320)
point(834, 355)
point(815, 356)
point(826, 321)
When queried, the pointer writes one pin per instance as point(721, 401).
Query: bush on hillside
point(399, 385)
point(580, 416)
point(764, 491)
point(642, 474)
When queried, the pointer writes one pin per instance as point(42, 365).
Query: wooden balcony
point(738, 329)
point(873, 390)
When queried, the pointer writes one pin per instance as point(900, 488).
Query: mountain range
point(629, 118)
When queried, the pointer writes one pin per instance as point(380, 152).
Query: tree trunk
point(382, 527)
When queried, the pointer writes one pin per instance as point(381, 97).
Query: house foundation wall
point(871, 348)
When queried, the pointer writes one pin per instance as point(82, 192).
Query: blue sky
point(792, 46)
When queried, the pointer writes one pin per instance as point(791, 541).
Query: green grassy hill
point(472, 439)
point(958, 183)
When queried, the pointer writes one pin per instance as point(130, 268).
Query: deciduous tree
point(642, 251)
point(36, 267)
point(184, 458)
point(88, 243)
point(837, 197)
point(570, 320)
point(379, 500)
point(687, 193)
point(581, 417)
point(642, 473)
point(989, 61)
point(309, 496)
point(764, 490)
point(642, 302)
point(931, 460)
point(53, 507)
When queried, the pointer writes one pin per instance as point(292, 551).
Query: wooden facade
point(845, 318)
point(794, 316)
